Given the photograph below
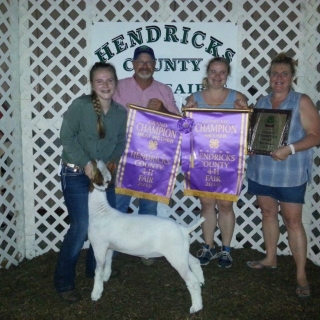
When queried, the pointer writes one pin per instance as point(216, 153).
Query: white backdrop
point(182, 50)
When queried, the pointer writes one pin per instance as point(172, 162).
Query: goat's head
point(101, 176)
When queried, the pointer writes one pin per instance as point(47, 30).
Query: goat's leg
point(193, 284)
point(195, 267)
point(107, 268)
point(100, 256)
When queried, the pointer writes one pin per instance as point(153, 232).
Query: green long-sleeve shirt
point(79, 135)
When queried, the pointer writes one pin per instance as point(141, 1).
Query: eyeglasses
point(149, 63)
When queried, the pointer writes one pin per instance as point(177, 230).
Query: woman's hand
point(191, 104)
point(88, 170)
point(240, 104)
point(281, 153)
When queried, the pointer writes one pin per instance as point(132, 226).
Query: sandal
point(257, 265)
point(303, 291)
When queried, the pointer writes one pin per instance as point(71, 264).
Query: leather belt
point(74, 167)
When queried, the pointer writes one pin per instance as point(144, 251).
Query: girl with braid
point(94, 127)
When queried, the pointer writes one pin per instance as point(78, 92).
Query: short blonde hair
point(283, 58)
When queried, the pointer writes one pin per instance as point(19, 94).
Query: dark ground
point(158, 292)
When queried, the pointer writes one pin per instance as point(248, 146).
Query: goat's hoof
point(195, 309)
point(95, 297)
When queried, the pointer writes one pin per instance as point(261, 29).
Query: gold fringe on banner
point(143, 195)
point(214, 195)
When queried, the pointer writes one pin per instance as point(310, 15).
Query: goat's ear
point(94, 168)
point(91, 186)
point(97, 177)
point(94, 163)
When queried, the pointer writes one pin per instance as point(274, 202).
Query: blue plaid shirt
point(296, 169)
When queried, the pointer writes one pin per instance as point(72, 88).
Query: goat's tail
point(196, 225)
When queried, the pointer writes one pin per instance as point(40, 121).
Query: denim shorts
point(283, 194)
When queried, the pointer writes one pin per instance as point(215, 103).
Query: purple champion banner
point(213, 154)
point(150, 163)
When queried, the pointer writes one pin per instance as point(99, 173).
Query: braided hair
point(95, 100)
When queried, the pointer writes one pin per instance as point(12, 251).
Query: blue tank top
point(227, 104)
point(296, 169)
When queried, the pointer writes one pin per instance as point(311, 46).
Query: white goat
point(145, 236)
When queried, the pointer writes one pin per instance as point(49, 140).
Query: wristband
point(293, 151)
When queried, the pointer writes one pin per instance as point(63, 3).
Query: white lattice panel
point(45, 51)
point(310, 84)
point(11, 198)
point(55, 37)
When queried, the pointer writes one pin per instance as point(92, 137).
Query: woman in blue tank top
point(281, 178)
point(217, 95)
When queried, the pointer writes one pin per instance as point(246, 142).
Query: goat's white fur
point(145, 236)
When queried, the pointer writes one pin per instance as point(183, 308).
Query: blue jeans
point(145, 206)
point(75, 186)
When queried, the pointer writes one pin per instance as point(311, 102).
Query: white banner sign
point(182, 50)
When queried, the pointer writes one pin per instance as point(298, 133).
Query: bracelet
point(293, 151)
